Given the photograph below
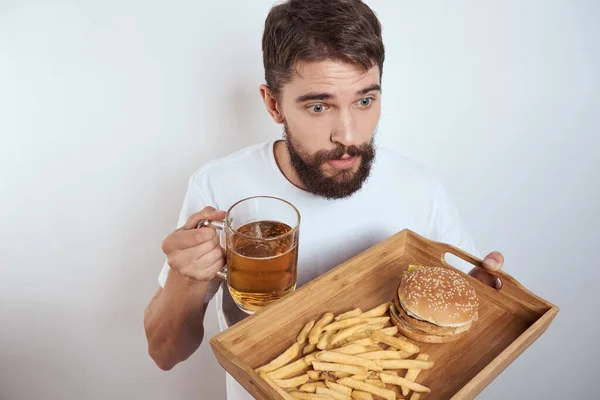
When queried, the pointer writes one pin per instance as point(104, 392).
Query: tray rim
point(469, 390)
point(494, 368)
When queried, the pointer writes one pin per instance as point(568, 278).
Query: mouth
point(343, 163)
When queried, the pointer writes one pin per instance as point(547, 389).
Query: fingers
point(184, 239)
point(181, 258)
point(493, 261)
point(207, 266)
point(483, 276)
point(205, 213)
point(201, 262)
point(196, 252)
point(189, 235)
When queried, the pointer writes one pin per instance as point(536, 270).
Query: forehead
point(336, 77)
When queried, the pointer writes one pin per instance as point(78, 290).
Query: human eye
point(317, 108)
point(365, 102)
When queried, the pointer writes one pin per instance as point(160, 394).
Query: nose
point(344, 132)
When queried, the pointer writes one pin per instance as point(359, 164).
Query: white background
point(107, 107)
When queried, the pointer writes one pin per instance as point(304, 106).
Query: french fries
point(400, 381)
point(282, 359)
point(354, 348)
point(377, 311)
point(365, 387)
point(303, 335)
point(311, 387)
point(389, 331)
point(369, 349)
point(371, 326)
point(322, 375)
point(373, 375)
point(315, 332)
point(279, 390)
point(310, 358)
point(289, 370)
point(375, 382)
point(404, 364)
point(348, 359)
point(358, 395)
point(291, 383)
point(309, 348)
point(345, 323)
point(314, 375)
point(325, 340)
point(382, 355)
point(351, 369)
point(357, 336)
point(395, 342)
point(352, 356)
point(376, 320)
point(339, 388)
point(364, 342)
point(412, 373)
point(349, 314)
point(346, 333)
point(310, 396)
point(333, 393)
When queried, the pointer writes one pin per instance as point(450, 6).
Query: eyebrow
point(325, 96)
point(313, 96)
point(369, 89)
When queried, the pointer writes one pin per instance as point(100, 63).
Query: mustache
point(365, 151)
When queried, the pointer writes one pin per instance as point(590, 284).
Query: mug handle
point(218, 225)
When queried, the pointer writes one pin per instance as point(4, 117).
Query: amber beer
point(261, 242)
point(261, 263)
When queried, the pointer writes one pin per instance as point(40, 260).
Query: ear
point(271, 104)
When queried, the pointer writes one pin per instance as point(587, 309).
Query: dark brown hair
point(317, 30)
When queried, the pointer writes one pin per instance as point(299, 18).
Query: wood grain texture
point(510, 320)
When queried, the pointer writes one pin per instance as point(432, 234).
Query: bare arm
point(174, 320)
point(174, 317)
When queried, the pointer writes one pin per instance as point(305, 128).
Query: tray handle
point(503, 276)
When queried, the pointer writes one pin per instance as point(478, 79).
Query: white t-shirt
point(398, 194)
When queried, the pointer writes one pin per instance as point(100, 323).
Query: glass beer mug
point(261, 243)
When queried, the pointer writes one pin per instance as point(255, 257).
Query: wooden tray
point(510, 320)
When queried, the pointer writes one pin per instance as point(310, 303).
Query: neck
point(282, 158)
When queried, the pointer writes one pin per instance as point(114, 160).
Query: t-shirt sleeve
point(447, 227)
point(193, 202)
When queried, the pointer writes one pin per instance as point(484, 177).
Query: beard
point(341, 185)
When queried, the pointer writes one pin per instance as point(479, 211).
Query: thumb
point(493, 261)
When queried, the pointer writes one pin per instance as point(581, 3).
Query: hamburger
point(434, 305)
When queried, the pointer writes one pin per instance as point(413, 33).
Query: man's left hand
point(492, 262)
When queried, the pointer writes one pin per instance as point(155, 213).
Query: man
point(323, 65)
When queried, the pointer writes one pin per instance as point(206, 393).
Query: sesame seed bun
point(434, 305)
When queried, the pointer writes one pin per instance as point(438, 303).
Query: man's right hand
point(174, 318)
point(196, 252)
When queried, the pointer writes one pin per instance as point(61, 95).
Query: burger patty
point(425, 327)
